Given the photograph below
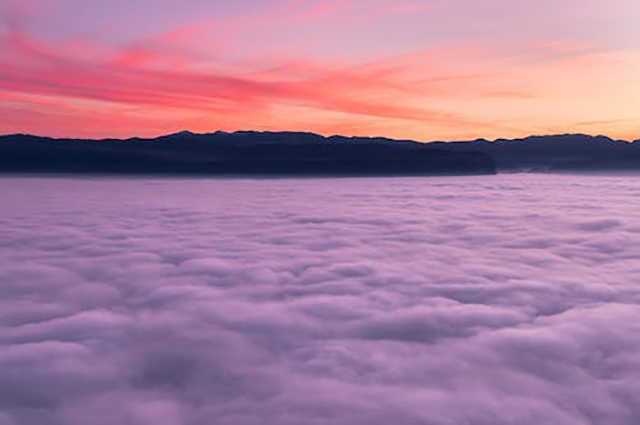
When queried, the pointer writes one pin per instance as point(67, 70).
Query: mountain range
point(287, 153)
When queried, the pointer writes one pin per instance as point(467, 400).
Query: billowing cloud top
point(497, 300)
point(419, 69)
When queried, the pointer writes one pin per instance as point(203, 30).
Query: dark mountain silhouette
point(258, 153)
point(273, 153)
point(567, 152)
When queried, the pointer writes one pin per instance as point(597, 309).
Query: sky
point(418, 69)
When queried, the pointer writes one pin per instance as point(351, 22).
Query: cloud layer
point(497, 300)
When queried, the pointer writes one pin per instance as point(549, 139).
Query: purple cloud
point(509, 299)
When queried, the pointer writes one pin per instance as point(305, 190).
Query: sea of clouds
point(511, 299)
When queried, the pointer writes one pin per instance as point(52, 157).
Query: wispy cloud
point(208, 72)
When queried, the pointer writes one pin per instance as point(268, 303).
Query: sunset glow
point(420, 69)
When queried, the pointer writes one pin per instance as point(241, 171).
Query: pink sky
point(427, 70)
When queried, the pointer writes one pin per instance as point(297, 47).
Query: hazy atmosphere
point(460, 300)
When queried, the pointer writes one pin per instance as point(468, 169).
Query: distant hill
point(285, 153)
point(567, 152)
point(246, 153)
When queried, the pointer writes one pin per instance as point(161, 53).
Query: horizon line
point(188, 132)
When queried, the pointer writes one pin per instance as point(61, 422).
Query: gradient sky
point(421, 69)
